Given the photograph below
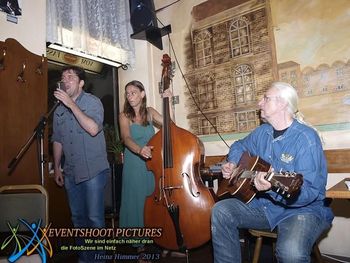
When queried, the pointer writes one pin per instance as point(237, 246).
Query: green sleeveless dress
point(137, 181)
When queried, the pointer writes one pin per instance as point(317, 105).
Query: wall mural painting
point(236, 50)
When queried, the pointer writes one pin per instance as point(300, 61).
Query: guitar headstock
point(287, 184)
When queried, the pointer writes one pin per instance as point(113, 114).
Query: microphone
point(56, 104)
point(60, 85)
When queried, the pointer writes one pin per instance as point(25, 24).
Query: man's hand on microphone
point(63, 97)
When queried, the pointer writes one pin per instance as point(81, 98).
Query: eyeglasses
point(269, 98)
point(69, 77)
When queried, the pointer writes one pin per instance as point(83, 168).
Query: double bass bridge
point(187, 178)
point(170, 188)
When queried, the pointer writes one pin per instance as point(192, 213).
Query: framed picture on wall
point(11, 7)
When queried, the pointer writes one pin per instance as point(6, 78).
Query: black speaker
point(142, 15)
point(144, 23)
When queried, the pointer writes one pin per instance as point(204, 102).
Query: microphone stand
point(38, 133)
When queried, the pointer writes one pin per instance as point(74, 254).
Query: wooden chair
point(260, 234)
point(28, 202)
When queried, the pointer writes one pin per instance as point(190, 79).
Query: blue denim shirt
point(85, 155)
point(298, 150)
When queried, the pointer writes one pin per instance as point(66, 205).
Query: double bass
point(181, 203)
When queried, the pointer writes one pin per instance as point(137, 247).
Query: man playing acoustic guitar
point(289, 146)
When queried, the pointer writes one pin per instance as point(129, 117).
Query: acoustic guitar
point(241, 186)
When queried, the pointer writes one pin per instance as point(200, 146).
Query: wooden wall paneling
point(23, 100)
point(338, 160)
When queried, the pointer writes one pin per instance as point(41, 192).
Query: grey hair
point(288, 93)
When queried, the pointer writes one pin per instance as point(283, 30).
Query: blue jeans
point(86, 200)
point(87, 206)
point(296, 234)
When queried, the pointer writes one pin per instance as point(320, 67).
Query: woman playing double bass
point(137, 127)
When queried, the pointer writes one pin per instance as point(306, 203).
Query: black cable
point(188, 88)
point(192, 96)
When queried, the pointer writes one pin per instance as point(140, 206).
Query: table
point(339, 191)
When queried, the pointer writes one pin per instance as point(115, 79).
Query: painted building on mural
point(323, 90)
point(229, 66)
point(323, 80)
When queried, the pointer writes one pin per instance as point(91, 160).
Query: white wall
point(30, 31)
point(148, 58)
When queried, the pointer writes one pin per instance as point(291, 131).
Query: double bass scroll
point(181, 203)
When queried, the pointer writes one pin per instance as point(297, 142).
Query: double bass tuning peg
point(160, 88)
point(173, 66)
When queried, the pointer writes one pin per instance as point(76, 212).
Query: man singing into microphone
point(78, 135)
